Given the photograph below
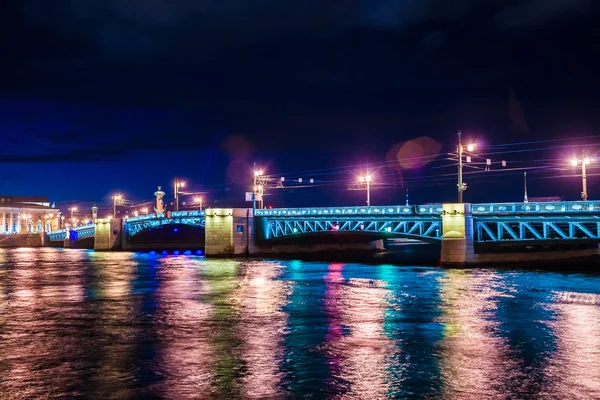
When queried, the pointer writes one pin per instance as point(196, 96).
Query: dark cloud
point(92, 155)
point(532, 14)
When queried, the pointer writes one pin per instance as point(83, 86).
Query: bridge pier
point(108, 234)
point(229, 232)
point(457, 234)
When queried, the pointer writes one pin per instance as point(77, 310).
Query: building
point(23, 214)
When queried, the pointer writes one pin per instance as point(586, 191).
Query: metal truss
point(82, 232)
point(514, 229)
point(417, 228)
point(135, 227)
point(59, 234)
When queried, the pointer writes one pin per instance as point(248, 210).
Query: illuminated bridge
point(465, 231)
point(492, 222)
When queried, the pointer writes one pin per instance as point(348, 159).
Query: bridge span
point(466, 232)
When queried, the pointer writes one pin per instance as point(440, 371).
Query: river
point(84, 324)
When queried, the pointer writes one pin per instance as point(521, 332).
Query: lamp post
point(176, 187)
point(460, 149)
point(72, 209)
point(367, 179)
point(257, 188)
point(584, 162)
point(199, 201)
point(116, 199)
point(145, 211)
point(525, 199)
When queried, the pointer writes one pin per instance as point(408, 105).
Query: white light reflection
point(573, 371)
point(474, 358)
point(359, 357)
point(261, 329)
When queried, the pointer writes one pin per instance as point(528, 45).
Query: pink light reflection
point(261, 328)
point(573, 370)
point(474, 358)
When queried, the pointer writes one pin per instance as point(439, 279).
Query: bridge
point(466, 232)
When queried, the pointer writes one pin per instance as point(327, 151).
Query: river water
point(80, 324)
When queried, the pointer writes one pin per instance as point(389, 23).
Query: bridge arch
point(427, 229)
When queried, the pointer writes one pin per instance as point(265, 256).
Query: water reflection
point(262, 325)
point(79, 324)
point(358, 348)
point(474, 359)
point(37, 349)
point(574, 369)
point(113, 332)
point(186, 356)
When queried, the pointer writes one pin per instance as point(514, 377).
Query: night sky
point(100, 96)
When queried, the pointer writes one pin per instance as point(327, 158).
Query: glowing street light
point(584, 162)
point(72, 209)
point(259, 181)
point(117, 198)
point(176, 185)
point(145, 211)
point(367, 179)
point(460, 149)
point(199, 201)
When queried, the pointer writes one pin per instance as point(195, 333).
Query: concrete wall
point(108, 234)
point(26, 240)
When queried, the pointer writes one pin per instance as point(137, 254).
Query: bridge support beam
point(229, 232)
point(108, 234)
point(457, 234)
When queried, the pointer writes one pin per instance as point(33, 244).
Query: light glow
point(471, 147)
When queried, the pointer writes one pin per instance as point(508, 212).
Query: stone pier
point(108, 234)
point(229, 232)
point(457, 234)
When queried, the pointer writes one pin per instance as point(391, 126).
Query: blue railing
point(174, 214)
point(436, 209)
point(537, 208)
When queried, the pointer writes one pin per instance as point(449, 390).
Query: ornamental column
point(11, 222)
point(3, 230)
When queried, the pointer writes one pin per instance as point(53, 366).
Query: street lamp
point(460, 149)
point(584, 162)
point(72, 209)
point(367, 179)
point(116, 200)
point(258, 187)
point(145, 211)
point(199, 201)
point(176, 187)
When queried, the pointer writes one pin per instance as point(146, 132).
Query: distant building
point(27, 214)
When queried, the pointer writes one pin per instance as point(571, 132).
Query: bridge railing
point(433, 209)
point(174, 214)
point(83, 227)
point(436, 209)
point(536, 207)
